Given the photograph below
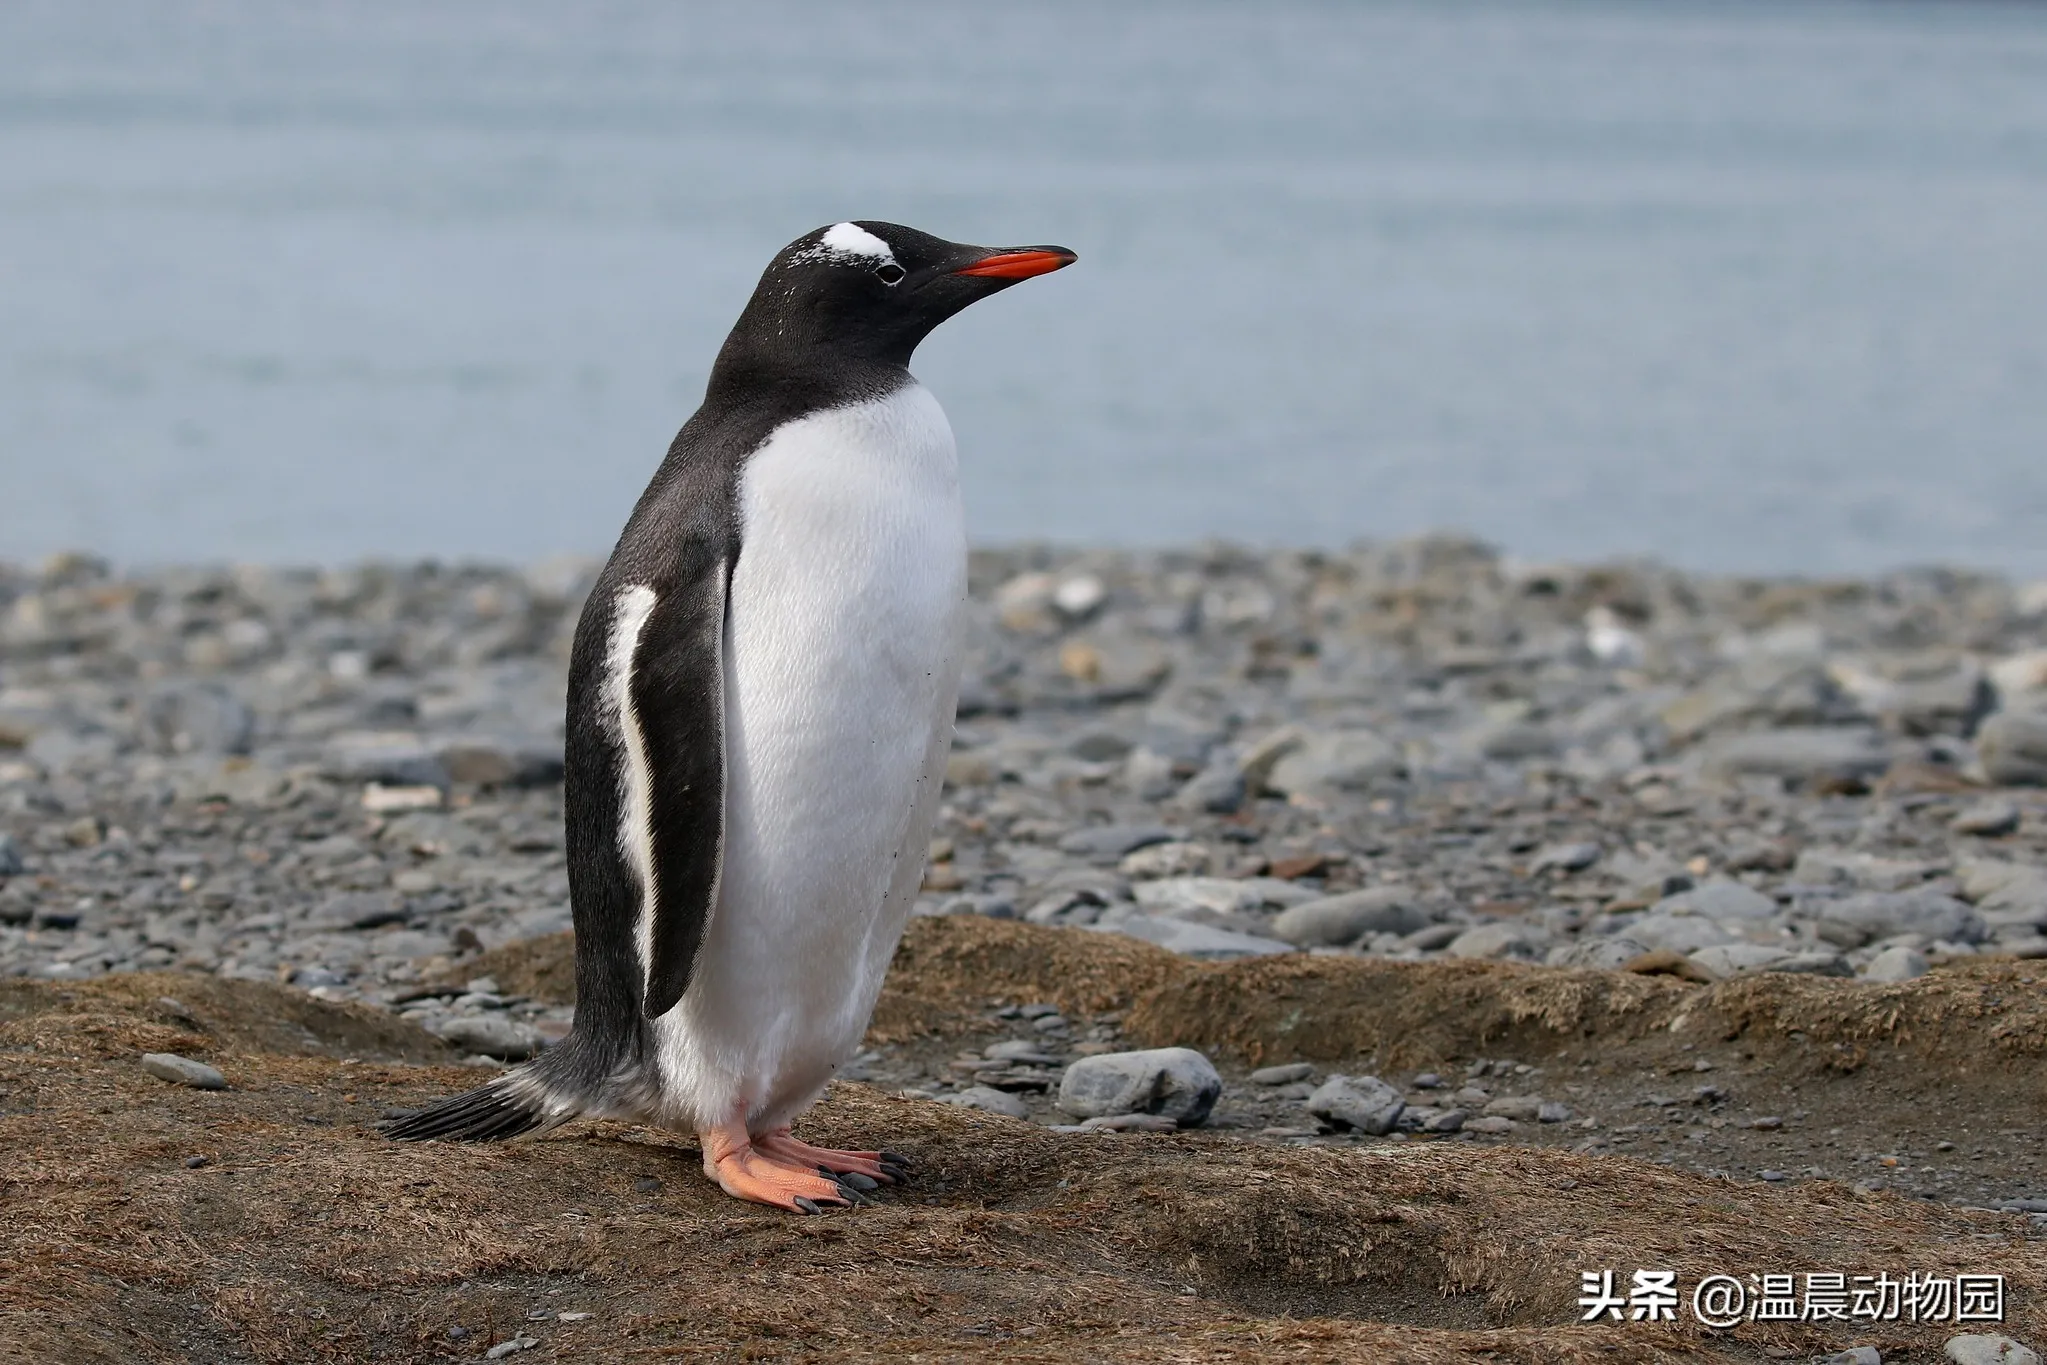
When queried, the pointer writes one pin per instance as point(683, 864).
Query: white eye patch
point(847, 244)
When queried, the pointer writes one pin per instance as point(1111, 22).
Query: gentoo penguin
point(760, 704)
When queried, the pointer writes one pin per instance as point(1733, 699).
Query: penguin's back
point(842, 660)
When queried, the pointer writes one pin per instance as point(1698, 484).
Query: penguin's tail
point(515, 1104)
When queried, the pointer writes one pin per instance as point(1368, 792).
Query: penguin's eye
point(888, 272)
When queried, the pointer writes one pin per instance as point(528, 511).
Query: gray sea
point(1744, 286)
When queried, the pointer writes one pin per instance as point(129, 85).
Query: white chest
point(852, 533)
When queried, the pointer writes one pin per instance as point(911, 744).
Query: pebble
point(1856, 1355)
point(1881, 914)
point(1113, 842)
point(1284, 1074)
point(1364, 1103)
point(1130, 1123)
point(989, 1100)
point(1564, 858)
point(1719, 899)
point(1200, 940)
point(1175, 1082)
point(511, 1347)
point(1335, 761)
point(1349, 917)
point(491, 1035)
point(2013, 749)
point(1987, 819)
point(169, 1066)
point(1988, 1348)
point(1504, 938)
point(1896, 963)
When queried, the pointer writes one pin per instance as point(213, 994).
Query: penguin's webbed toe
point(884, 1168)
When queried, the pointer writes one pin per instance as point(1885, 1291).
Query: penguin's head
point(874, 290)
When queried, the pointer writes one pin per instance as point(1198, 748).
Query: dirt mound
point(114, 1016)
point(303, 1236)
point(1988, 1014)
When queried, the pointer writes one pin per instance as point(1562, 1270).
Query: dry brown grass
point(309, 1238)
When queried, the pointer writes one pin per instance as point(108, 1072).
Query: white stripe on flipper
point(634, 604)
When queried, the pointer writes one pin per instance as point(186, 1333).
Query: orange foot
point(865, 1168)
point(744, 1171)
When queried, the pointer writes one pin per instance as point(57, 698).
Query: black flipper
point(678, 696)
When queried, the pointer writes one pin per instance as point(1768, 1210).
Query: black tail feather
point(492, 1113)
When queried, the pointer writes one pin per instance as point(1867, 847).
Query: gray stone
point(1564, 858)
point(1218, 789)
point(1129, 1123)
point(1339, 760)
point(1172, 859)
point(484, 761)
point(1198, 940)
point(1998, 886)
point(1109, 843)
point(1348, 917)
point(1988, 820)
point(1433, 938)
point(1896, 963)
point(1510, 741)
point(492, 1035)
point(1988, 1348)
point(1864, 871)
point(203, 718)
point(1553, 1111)
point(11, 862)
point(1177, 1082)
point(1815, 962)
point(1365, 1103)
point(1197, 896)
point(1284, 1074)
point(1802, 754)
point(1520, 1108)
point(1718, 899)
point(169, 1066)
point(2013, 749)
point(396, 759)
point(1020, 1050)
point(1884, 913)
point(1856, 1355)
point(1502, 938)
point(989, 1100)
point(1444, 1121)
point(1606, 953)
point(357, 910)
point(1678, 933)
point(1740, 959)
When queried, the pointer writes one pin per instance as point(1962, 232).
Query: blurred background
point(1742, 286)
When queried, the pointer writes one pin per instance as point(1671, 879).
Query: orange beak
point(1020, 265)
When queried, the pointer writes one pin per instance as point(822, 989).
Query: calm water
point(1743, 286)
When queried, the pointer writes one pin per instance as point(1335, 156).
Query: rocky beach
point(1612, 865)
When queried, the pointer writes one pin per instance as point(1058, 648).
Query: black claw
point(900, 1175)
point(862, 1183)
point(895, 1159)
point(804, 1205)
point(853, 1196)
